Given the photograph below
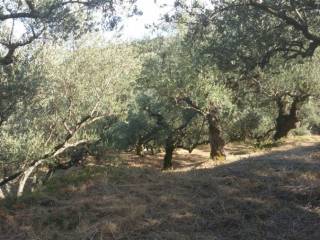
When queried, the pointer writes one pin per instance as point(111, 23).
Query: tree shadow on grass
point(181, 159)
point(274, 196)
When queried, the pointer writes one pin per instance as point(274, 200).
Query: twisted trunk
point(284, 124)
point(169, 148)
point(139, 150)
point(215, 137)
point(287, 119)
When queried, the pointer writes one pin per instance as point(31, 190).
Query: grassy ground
point(269, 194)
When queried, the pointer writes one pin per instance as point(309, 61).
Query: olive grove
point(230, 71)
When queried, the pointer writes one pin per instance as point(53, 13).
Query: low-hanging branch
point(58, 149)
point(190, 104)
point(8, 58)
point(37, 15)
point(300, 25)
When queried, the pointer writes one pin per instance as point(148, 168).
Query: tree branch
point(58, 149)
point(299, 26)
point(191, 104)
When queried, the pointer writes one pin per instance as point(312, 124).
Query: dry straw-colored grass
point(272, 194)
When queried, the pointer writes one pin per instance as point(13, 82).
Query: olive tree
point(245, 38)
point(79, 92)
point(250, 33)
point(290, 86)
point(173, 72)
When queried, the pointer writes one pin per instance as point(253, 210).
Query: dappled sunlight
point(200, 125)
point(199, 158)
point(270, 194)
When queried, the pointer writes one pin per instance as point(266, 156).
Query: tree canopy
point(230, 71)
point(24, 21)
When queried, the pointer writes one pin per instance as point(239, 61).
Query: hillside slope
point(267, 195)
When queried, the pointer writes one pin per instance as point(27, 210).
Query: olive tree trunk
point(169, 148)
point(215, 137)
point(284, 124)
point(139, 150)
point(287, 119)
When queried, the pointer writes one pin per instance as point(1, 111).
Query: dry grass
point(271, 194)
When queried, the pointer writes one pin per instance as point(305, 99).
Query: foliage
point(79, 94)
point(56, 19)
point(18, 83)
point(87, 81)
point(174, 73)
point(244, 34)
point(310, 117)
point(231, 71)
point(251, 43)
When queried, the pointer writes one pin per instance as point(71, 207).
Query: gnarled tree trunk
point(139, 150)
point(284, 124)
point(215, 137)
point(287, 119)
point(169, 148)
